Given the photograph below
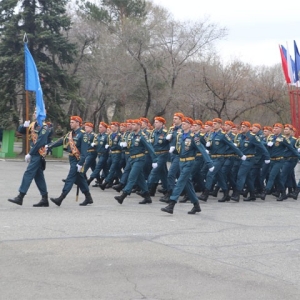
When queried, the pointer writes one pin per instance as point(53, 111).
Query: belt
point(199, 154)
point(230, 155)
point(116, 151)
point(186, 158)
point(138, 155)
point(101, 153)
point(217, 155)
point(91, 150)
point(126, 152)
point(250, 155)
point(160, 152)
point(277, 158)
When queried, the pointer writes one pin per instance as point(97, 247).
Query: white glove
point(244, 157)
point(106, 146)
point(79, 167)
point(299, 150)
point(124, 144)
point(172, 148)
point(235, 144)
point(211, 169)
point(169, 136)
point(267, 161)
point(208, 144)
point(26, 123)
point(27, 158)
point(207, 151)
point(46, 147)
point(92, 144)
point(154, 165)
point(270, 144)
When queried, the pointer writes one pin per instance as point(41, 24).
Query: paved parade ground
point(110, 251)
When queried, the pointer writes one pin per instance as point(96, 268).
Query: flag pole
point(27, 118)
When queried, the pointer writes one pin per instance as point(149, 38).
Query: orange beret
point(115, 123)
point(103, 124)
point(178, 114)
point(278, 125)
point(129, 121)
point(77, 119)
point(160, 119)
point(289, 126)
point(217, 120)
point(246, 123)
point(228, 122)
point(294, 129)
point(256, 125)
point(123, 124)
point(209, 123)
point(233, 125)
point(89, 124)
point(198, 122)
point(188, 120)
point(144, 120)
point(137, 121)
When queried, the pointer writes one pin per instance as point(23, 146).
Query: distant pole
point(294, 94)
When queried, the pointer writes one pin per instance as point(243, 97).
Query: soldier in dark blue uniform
point(76, 143)
point(115, 149)
point(148, 160)
point(161, 148)
point(102, 152)
point(277, 144)
point(174, 169)
point(90, 160)
point(249, 144)
point(218, 144)
point(125, 152)
point(36, 159)
point(186, 149)
point(137, 146)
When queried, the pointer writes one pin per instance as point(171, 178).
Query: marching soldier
point(76, 143)
point(186, 149)
point(138, 146)
point(90, 160)
point(36, 162)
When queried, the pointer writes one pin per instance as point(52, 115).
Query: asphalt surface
point(111, 251)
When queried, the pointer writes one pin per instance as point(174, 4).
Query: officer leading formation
point(189, 157)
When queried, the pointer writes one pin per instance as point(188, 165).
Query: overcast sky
point(255, 28)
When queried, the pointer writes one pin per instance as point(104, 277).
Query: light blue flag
point(32, 83)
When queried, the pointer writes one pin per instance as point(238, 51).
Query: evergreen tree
point(46, 23)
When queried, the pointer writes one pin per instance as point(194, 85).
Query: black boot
point(251, 197)
point(235, 196)
point(295, 194)
point(103, 185)
point(88, 199)
point(195, 209)
point(166, 197)
point(215, 191)
point(264, 194)
point(90, 180)
point(244, 193)
point(282, 196)
point(152, 189)
point(147, 198)
point(118, 187)
point(169, 209)
point(226, 196)
point(276, 194)
point(121, 198)
point(290, 192)
point(161, 190)
point(58, 200)
point(44, 202)
point(18, 200)
point(204, 195)
point(185, 199)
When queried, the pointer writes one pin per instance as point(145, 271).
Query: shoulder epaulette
point(165, 130)
point(252, 133)
point(81, 130)
point(192, 134)
point(294, 138)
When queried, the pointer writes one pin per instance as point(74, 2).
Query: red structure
point(294, 94)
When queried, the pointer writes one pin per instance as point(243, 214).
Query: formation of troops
point(245, 160)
